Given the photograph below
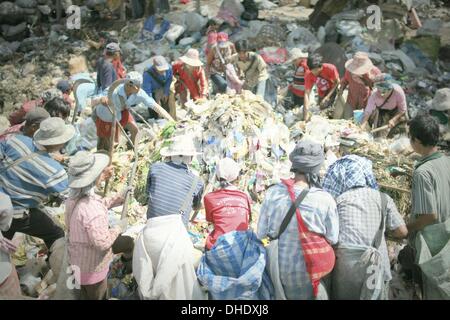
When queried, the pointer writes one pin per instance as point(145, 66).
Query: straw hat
point(441, 100)
point(360, 64)
point(54, 131)
point(296, 53)
point(227, 169)
point(192, 58)
point(85, 167)
point(181, 146)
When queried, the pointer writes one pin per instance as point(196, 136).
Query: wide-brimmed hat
point(160, 63)
point(227, 169)
point(441, 100)
point(360, 64)
point(134, 78)
point(54, 131)
point(180, 146)
point(85, 167)
point(296, 53)
point(192, 58)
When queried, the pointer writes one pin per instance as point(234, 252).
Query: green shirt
point(431, 188)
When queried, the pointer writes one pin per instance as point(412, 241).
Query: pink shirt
point(359, 90)
point(396, 100)
point(90, 239)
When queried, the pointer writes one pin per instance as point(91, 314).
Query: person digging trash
point(359, 79)
point(298, 59)
point(124, 97)
point(157, 84)
point(386, 106)
point(191, 77)
point(91, 242)
point(326, 77)
point(29, 175)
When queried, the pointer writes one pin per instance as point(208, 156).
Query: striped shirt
point(30, 182)
point(90, 239)
point(168, 185)
point(320, 215)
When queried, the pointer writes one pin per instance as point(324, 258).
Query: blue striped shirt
point(168, 185)
point(320, 215)
point(30, 182)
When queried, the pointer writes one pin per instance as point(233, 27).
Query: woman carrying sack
point(303, 255)
point(362, 270)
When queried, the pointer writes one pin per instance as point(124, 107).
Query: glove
point(122, 225)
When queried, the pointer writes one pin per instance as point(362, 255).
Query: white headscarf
point(6, 212)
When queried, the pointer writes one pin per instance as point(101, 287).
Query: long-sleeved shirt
point(106, 74)
point(196, 83)
point(90, 238)
point(359, 89)
point(30, 182)
point(257, 73)
point(396, 101)
point(150, 84)
point(129, 101)
point(320, 215)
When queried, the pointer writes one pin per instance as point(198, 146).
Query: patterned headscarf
point(347, 173)
point(384, 81)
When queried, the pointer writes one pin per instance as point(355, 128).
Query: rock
point(334, 54)
point(431, 27)
point(419, 3)
point(187, 41)
point(26, 3)
point(12, 33)
point(194, 22)
point(45, 9)
point(349, 28)
point(10, 13)
point(4, 123)
point(408, 64)
point(444, 53)
point(302, 38)
point(441, 100)
point(265, 4)
point(28, 69)
point(324, 10)
point(419, 58)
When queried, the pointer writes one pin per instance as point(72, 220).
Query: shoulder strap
point(189, 195)
point(152, 74)
point(251, 64)
point(291, 212)
point(379, 236)
point(385, 101)
point(20, 160)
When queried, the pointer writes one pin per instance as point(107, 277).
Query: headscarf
point(384, 81)
point(307, 158)
point(348, 173)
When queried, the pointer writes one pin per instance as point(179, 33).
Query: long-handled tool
point(76, 84)
point(113, 86)
point(132, 175)
point(383, 128)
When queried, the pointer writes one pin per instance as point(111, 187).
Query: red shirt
point(324, 81)
point(196, 84)
point(228, 210)
point(297, 87)
point(118, 67)
point(359, 90)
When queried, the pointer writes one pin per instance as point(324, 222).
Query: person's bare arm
point(306, 105)
point(422, 221)
point(396, 119)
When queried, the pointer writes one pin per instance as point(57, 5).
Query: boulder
point(13, 33)
point(26, 3)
